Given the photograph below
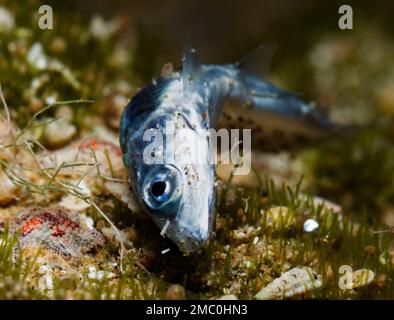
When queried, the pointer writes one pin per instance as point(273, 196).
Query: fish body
point(174, 189)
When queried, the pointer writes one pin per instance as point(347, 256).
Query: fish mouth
point(187, 240)
point(188, 236)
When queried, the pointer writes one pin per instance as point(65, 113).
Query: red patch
point(30, 225)
point(57, 230)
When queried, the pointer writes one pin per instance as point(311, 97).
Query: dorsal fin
point(258, 61)
point(190, 70)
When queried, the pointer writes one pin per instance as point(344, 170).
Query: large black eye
point(162, 188)
point(159, 190)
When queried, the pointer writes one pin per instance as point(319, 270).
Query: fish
point(175, 191)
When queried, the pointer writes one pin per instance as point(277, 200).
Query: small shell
point(228, 297)
point(362, 277)
point(294, 282)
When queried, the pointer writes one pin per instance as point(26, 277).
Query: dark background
point(224, 29)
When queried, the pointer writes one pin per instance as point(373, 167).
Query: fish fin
point(258, 61)
point(190, 70)
point(273, 130)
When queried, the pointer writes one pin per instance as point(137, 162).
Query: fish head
point(181, 208)
point(176, 187)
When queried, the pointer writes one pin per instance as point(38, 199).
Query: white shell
point(228, 297)
point(362, 277)
point(296, 281)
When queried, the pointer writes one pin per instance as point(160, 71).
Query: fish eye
point(162, 188)
point(159, 190)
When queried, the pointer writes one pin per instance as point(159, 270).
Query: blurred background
point(226, 30)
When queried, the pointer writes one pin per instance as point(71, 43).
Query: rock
point(55, 231)
point(292, 283)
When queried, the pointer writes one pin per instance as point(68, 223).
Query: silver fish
point(179, 194)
